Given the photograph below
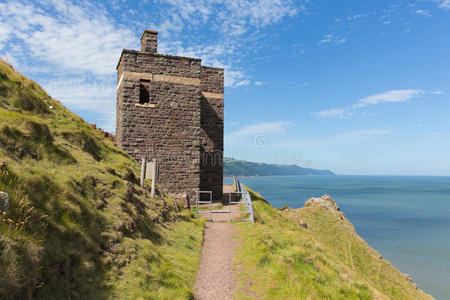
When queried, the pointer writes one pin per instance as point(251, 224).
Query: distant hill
point(246, 168)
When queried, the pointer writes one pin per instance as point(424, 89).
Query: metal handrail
point(239, 189)
point(197, 202)
point(246, 198)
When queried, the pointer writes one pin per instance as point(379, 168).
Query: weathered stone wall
point(212, 114)
point(149, 41)
point(180, 123)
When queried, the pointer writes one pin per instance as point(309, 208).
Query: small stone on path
point(4, 201)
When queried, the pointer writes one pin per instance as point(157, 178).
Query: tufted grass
point(90, 230)
point(280, 259)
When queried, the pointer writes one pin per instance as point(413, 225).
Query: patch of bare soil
point(215, 278)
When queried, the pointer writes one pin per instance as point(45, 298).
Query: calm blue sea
point(405, 218)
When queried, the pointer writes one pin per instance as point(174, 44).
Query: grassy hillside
point(312, 253)
point(79, 226)
point(245, 168)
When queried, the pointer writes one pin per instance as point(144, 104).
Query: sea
point(405, 218)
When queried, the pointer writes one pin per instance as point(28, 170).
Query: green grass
point(206, 207)
point(164, 271)
point(89, 231)
point(280, 259)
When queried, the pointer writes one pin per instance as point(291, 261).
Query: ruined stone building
point(171, 108)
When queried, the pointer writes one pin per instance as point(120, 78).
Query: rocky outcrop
point(326, 202)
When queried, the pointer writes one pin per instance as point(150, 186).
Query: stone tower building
point(171, 108)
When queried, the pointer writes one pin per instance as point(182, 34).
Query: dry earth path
point(215, 278)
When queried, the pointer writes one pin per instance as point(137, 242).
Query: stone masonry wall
point(167, 128)
point(171, 108)
point(212, 114)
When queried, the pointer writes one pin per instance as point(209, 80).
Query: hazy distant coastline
point(233, 167)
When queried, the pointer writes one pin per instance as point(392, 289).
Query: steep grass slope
point(312, 253)
point(79, 226)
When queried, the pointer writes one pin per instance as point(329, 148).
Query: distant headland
point(245, 168)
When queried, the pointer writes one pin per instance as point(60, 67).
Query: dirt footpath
point(215, 277)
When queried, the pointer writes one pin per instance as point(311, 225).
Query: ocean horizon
point(406, 218)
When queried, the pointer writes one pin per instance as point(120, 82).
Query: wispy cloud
point(75, 38)
point(424, 13)
point(445, 4)
point(247, 134)
point(82, 93)
point(233, 17)
point(333, 113)
point(389, 96)
point(211, 55)
point(326, 39)
point(72, 48)
point(234, 23)
point(259, 83)
point(330, 38)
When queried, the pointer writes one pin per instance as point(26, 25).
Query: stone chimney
point(149, 41)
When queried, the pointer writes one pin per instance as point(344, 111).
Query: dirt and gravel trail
point(215, 278)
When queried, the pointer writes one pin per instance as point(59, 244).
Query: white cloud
point(62, 42)
point(243, 82)
point(83, 93)
point(333, 113)
point(445, 4)
point(246, 134)
point(234, 23)
point(5, 31)
point(424, 13)
point(326, 39)
point(233, 17)
point(235, 78)
point(354, 17)
point(259, 83)
point(94, 95)
point(72, 48)
point(76, 38)
point(210, 55)
point(390, 96)
point(437, 92)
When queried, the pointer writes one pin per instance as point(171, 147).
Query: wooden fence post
point(143, 165)
point(154, 173)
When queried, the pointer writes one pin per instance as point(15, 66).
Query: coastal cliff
point(313, 253)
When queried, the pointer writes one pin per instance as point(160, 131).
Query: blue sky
point(357, 87)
